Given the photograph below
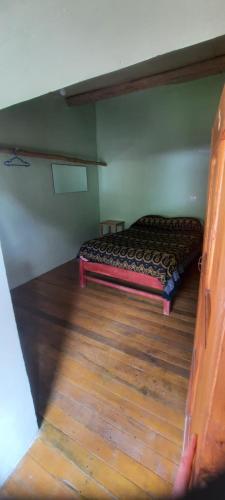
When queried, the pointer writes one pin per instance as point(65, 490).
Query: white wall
point(39, 229)
point(18, 425)
point(51, 44)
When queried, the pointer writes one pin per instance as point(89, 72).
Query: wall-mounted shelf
point(50, 156)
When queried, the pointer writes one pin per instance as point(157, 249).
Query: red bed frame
point(131, 277)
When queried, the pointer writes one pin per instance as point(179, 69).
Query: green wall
point(156, 144)
point(39, 229)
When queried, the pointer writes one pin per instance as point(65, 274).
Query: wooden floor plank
point(31, 480)
point(142, 306)
point(103, 449)
point(93, 466)
point(109, 375)
point(66, 471)
point(148, 353)
point(71, 368)
point(157, 380)
point(75, 372)
point(121, 439)
point(136, 338)
point(78, 318)
point(95, 351)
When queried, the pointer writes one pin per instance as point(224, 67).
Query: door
point(205, 414)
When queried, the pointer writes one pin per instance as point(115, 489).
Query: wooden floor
point(109, 376)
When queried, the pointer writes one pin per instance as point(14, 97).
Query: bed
point(148, 259)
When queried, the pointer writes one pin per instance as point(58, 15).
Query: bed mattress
point(157, 246)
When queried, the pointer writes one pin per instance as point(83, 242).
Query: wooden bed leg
point(83, 279)
point(166, 307)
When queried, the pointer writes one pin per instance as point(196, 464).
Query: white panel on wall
point(69, 178)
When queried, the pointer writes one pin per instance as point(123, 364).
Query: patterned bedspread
point(158, 246)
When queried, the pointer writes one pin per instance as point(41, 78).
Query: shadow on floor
point(40, 310)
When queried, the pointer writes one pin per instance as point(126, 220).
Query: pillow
point(149, 221)
point(169, 223)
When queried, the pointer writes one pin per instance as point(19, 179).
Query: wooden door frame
point(204, 434)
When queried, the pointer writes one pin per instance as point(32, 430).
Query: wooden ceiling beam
point(179, 75)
